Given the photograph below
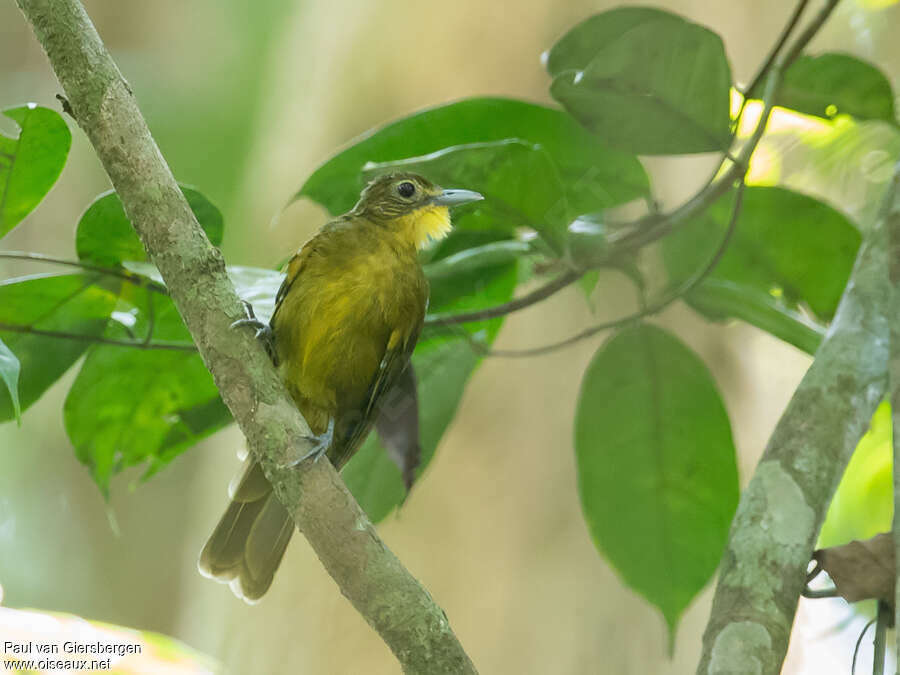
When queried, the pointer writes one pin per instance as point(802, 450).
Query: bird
point(347, 317)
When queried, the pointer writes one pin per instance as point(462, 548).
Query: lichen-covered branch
point(893, 234)
point(781, 511)
point(371, 577)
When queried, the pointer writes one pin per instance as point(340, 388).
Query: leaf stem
point(786, 33)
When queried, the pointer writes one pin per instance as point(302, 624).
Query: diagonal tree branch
point(371, 577)
point(893, 234)
point(781, 511)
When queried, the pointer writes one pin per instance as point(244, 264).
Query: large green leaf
point(31, 163)
point(790, 246)
point(105, 236)
point(129, 406)
point(837, 84)
point(656, 465)
point(9, 372)
point(76, 304)
point(610, 177)
point(443, 363)
point(645, 80)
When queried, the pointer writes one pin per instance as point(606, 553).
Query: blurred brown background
point(245, 99)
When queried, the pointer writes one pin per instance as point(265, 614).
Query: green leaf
point(787, 245)
point(77, 304)
point(131, 406)
point(105, 236)
point(9, 371)
point(646, 81)
point(585, 164)
point(31, 163)
point(443, 362)
point(837, 84)
point(656, 465)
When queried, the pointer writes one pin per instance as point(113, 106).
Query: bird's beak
point(456, 197)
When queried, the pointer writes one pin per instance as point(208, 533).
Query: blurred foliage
point(224, 104)
point(656, 462)
point(155, 653)
point(863, 505)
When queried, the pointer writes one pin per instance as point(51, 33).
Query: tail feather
point(249, 542)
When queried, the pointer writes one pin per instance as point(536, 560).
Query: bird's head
point(411, 205)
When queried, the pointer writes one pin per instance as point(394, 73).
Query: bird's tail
point(247, 545)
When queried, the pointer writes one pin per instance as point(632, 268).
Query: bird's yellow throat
point(428, 223)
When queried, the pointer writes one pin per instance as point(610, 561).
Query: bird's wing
point(397, 351)
point(294, 266)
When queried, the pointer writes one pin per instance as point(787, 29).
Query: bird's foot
point(263, 331)
point(321, 444)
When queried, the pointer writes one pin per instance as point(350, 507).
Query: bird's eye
point(406, 189)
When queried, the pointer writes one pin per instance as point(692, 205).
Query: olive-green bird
point(346, 320)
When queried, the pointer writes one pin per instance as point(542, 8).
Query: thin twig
point(545, 291)
point(809, 32)
point(859, 640)
point(818, 593)
point(776, 49)
point(97, 339)
point(125, 275)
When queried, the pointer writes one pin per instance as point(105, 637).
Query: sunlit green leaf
point(105, 235)
point(837, 84)
point(585, 164)
point(645, 80)
point(863, 504)
point(31, 163)
point(656, 465)
point(9, 372)
point(75, 304)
